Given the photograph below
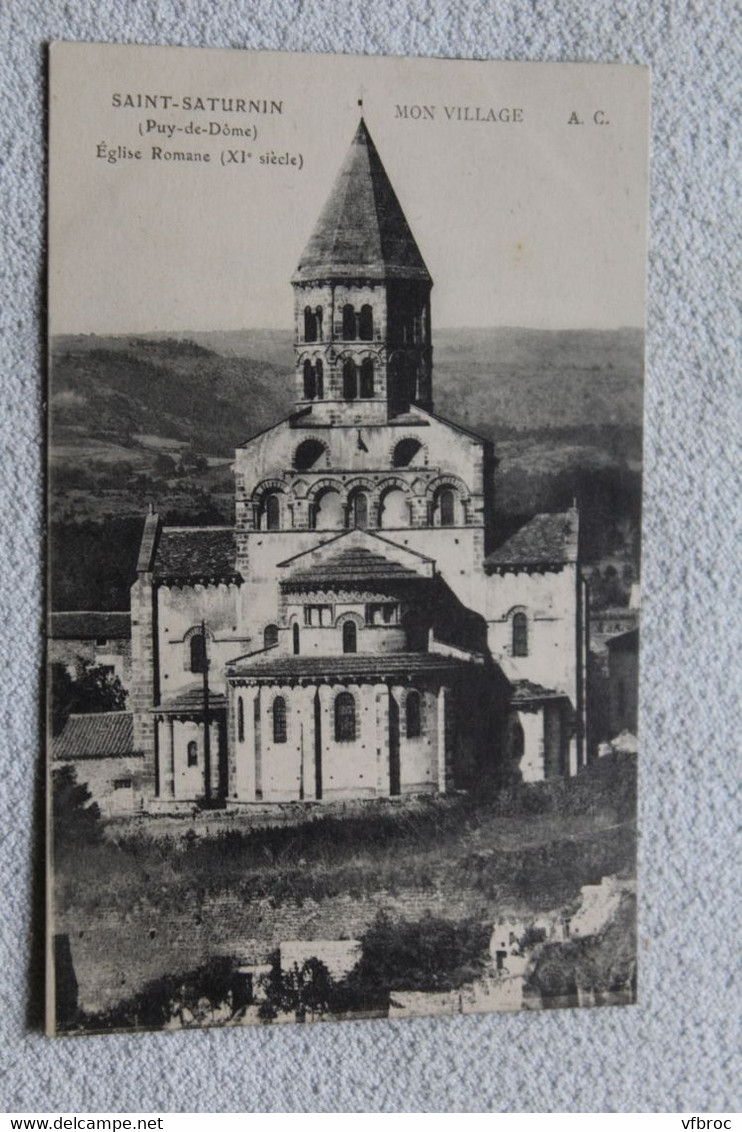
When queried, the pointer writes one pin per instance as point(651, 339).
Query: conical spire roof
point(362, 230)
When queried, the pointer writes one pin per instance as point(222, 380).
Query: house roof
point(88, 625)
point(624, 642)
point(196, 553)
point(526, 692)
point(98, 735)
point(191, 701)
point(362, 230)
point(269, 665)
point(546, 540)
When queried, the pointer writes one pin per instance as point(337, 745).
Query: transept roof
point(545, 540)
point(196, 553)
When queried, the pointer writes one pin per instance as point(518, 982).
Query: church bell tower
point(362, 302)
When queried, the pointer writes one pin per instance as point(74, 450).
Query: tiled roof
point(546, 540)
point(362, 665)
point(192, 553)
point(191, 699)
point(362, 230)
point(88, 625)
point(349, 566)
point(525, 691)
point(98, 735)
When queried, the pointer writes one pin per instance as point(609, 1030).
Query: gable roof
point(362, 229)
point(98, 735)
point(89, 625)
point(546, 540)
point(192, 554)
point(356, 556)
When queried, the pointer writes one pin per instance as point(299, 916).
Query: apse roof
point(362, 230)
point(269, 664)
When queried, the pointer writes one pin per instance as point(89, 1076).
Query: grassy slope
point(497, 857)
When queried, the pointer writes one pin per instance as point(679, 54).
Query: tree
point(164, 465)
point(75, 818)
point(94, 689)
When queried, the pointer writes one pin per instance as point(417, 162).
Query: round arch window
point(405, 452)
point(307, 454)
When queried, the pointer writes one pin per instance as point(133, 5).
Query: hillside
point(156, 418)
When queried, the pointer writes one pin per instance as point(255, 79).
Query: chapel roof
point(96, 735)
point(267, 663)
point(190, 701)
point(351, 565)
point(85, 624)
point(546, 540)
point(193, 554)
point(355, 557)
point(362, 230)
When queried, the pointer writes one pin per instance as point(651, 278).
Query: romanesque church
point(363, 630)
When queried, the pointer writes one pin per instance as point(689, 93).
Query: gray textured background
point(679, 1049)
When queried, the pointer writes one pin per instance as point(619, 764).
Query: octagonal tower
point(362, 302)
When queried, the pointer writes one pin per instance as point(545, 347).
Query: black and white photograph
point(344, 510)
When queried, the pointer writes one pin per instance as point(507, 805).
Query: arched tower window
point(270, 636)
point(310, 325)
point(367, 377)
point(296, 639)
point(345, 718)
point(520, 634)
point(320, 383)
point(272, 513)
point(350, 380)
point(240, 720)
point(412, 715)
point(318, 324)
point(198, 652)
point(366, 323)
point(359, 510)
point(310, 385)
point(192, 750)
point(350, 636)
point(279, 720)
point(446, 507)
point(349, 323)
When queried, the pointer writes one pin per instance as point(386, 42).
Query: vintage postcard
point(345, 421)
